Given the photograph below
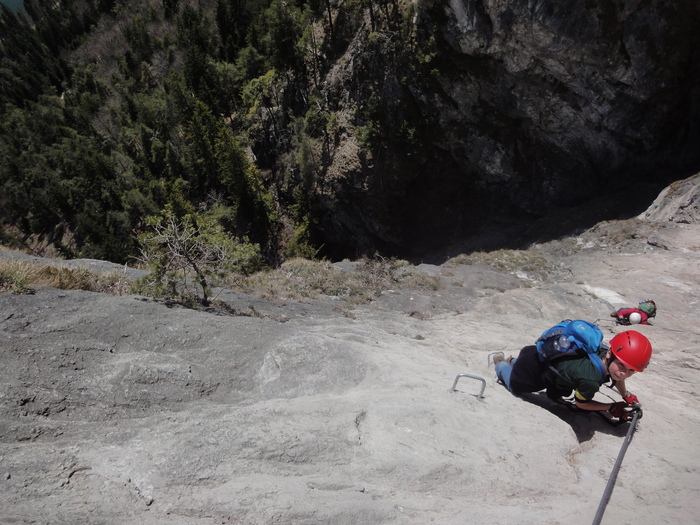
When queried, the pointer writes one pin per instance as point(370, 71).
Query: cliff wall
point(529, 107)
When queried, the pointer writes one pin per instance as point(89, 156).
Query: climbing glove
point(631, 399)
point(618, 410)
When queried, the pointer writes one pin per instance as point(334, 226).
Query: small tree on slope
point(193, 248)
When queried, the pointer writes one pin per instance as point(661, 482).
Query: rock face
point(532, 106)
point(129, 410)
point(680, 202)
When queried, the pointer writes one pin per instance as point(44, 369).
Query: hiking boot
point(510, 360)
point(498, 358)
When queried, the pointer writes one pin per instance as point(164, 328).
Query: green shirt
point(579, 374)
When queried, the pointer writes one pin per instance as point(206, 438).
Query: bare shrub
point(19, 277)
point(299, 279)
point(507, 261)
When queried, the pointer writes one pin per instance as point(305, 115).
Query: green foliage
point(193, 248)
point(233, 18)
point(317, 119)
point(300, 245)
point(260, 94)
point(57, 179)
point(175, 105)
point(171, 8)
point(138, 36)
point(202, 132)
point(195, 36)
point(29, 65)
point(277, 30)
point(250, 63)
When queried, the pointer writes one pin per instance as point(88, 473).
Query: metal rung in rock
point(488, 357)
point(483, 383)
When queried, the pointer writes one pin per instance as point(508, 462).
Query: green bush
point(192, 251)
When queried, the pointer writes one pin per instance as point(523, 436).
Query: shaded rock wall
point(537, 105)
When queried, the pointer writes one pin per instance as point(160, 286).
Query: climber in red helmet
point(640, 314)
point(628, 352)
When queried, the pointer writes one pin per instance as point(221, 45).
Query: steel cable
point(613, 475)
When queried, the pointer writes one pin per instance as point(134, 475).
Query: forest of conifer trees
point(114, 113)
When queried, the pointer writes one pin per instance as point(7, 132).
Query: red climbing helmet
point(632, 349)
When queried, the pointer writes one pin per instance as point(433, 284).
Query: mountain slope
point(123, 409)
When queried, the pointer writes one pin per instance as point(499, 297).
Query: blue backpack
point(572, 338)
